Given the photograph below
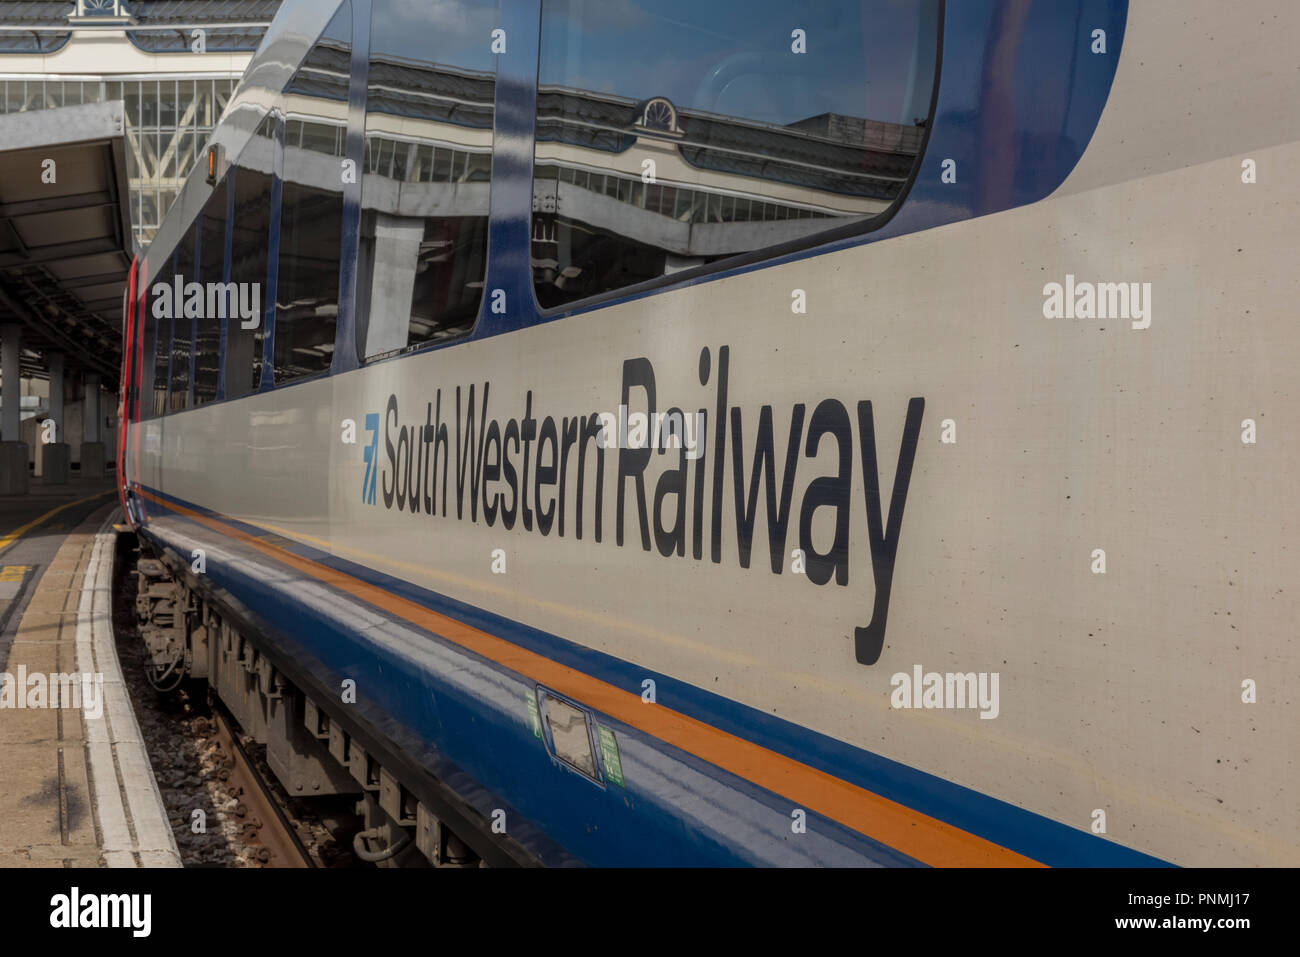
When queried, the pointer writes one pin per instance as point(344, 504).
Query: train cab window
point(250, 180)
point(311, 204)
point(427, 172)
point(212, 268)
point(182, 326)
point(671, 134)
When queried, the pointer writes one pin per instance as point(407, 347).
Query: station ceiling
point(65, 235)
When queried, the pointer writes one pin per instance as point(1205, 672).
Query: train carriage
point(669, 433)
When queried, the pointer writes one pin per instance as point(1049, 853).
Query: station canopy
point(65, 235)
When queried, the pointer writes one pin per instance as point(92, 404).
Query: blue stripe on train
point(1025, 832)
point(466, 722)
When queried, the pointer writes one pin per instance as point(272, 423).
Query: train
point(676, 434)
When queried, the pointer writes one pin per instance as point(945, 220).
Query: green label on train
point(609, 753)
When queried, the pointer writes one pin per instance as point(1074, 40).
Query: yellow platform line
point(22, 530)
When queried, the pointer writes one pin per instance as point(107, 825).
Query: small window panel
point(568, 732)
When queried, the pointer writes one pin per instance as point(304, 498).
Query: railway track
point(224, 806)
point(263, 823)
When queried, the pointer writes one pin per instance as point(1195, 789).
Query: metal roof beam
point(63, 252)
point(55, 204)
point(99, 279)
point(94, 305)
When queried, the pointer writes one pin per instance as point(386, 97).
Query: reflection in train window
point(673, 133)
point(182, 327)
point(311, 205)
point(250, 179)
point(427, 172)
point(212, 267)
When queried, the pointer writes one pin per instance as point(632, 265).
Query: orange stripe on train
point(917, 835)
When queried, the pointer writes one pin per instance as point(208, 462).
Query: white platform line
point(114, 742)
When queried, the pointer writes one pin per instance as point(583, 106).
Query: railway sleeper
point(311, 756)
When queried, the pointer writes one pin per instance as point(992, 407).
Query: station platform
point(76, 788)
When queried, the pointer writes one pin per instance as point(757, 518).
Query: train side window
point(218, 300)
point(746, 126)
point(311, 204)
point(161, 343)
point(427, 172)
point(145, 408)
point(182, 326)
point(250, 180)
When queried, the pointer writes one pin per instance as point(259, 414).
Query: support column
point(13, 451)
point(92, 449)
point(53, 454)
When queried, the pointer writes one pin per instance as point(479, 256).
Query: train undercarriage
point(309, 748)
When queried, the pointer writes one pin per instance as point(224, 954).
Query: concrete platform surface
point(76, 789)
